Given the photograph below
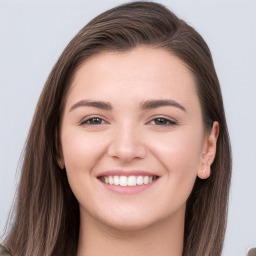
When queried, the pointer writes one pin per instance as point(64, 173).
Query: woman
point(128, 152)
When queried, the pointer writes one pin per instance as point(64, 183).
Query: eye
point(161, 121)
point(93, 121)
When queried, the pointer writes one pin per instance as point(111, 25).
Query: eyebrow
point(95, 104)
point(147, 105)
point(151, 104)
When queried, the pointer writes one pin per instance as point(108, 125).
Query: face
point(135, 118)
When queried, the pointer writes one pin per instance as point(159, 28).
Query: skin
point(167, 141)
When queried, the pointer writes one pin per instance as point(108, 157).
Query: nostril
point(126, 145)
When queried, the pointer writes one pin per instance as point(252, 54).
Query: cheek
point(180, 154)
point(181, 148)
point(80, 151)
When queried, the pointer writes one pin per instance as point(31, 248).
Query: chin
point(130, 225)
point(139, 221)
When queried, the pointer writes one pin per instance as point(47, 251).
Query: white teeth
point(139, 180)
point(132, 181)
point(116, 180)
point(145, 180)
point(123, 181)
point(128, 181)
point(110, 180)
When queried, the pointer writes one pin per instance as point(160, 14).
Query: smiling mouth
point(127, 181)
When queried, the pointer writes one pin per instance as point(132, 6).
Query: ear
point(60, 161)
point(59, 156)
point(209, 152)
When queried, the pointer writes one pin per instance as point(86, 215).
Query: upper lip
point(126, 173)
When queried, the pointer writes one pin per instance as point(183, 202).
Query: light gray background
point(34, 33)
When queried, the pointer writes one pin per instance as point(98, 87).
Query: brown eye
point(163, 121)
point(93, 121)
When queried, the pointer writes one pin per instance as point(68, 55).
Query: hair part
point(46, 217)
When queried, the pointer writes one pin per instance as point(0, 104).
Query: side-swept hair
point(46, 214)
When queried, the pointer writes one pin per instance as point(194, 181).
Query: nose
point(126, 145)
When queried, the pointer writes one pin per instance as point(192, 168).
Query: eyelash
point(163, 121)
point(88, 120)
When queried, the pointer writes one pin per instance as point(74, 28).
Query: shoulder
point(4, 251)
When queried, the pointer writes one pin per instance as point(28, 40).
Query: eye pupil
point(161, 121)
point(94, 120)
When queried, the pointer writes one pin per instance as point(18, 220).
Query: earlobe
point(61, 163)
point(209, 152)
point(60, 159)
point(59, 156)
point(204, 173)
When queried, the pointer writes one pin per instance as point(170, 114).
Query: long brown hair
point(46, 214)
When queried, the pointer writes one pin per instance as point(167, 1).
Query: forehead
point(143, 72)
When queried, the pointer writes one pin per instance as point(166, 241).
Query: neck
point(164, 238)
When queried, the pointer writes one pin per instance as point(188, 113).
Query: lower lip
point(127, 190)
